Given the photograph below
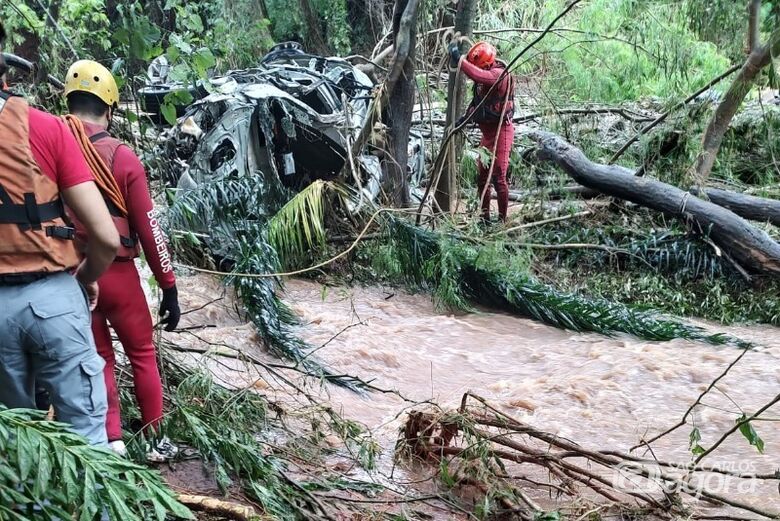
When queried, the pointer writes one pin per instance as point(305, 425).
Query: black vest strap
point(4, 96)
point(97, 137)
point(113, 209)
point(29, 214)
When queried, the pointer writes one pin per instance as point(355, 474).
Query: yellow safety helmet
point(89, 76)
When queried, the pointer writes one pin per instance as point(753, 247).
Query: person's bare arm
point(86, 202)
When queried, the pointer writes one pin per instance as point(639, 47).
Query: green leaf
point(7, 473)
point(131, 116)
point(179, 72)
point(24, 453)
point(120, 81)
point(194, 23)
point(43, 475)
point(119, 507)
point(172, 53)
point(444, 473)
point(694, 439)
point(179, 97)
point(750, 434)
point(202, 60)
point(180, 44)
point(89, 503)
point(169, 502)
point(169, 113)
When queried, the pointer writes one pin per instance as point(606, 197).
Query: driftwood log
point(220, 507)
point(752, 248)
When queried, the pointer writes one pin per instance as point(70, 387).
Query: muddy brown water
point(604, 393)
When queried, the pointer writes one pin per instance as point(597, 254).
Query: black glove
point(169, 308)
point(454, 54)
point(461, 120)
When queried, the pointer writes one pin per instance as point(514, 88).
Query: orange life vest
point(34, 236)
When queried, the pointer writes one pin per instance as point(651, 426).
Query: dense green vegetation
point(46, 473)
point(640, 54)
point(639, 48)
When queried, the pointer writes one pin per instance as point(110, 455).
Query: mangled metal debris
point(290, 121)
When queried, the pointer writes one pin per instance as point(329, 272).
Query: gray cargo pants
point(45, 337)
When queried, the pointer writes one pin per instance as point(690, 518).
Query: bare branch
point(666, 114)
point(693, 406)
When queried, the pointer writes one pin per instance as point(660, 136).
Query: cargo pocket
point(93, 383)
point(62, 325)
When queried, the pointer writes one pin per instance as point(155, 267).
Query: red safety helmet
point(482, 54)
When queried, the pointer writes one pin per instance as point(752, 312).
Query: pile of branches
point(478, 446)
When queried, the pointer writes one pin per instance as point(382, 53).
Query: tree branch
point(759, 58)
point(754, 14)
point(666, 114)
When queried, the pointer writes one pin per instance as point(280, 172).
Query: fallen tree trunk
point(747, 245)
point(748, 206)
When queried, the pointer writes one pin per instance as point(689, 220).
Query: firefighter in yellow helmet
point(92, 95)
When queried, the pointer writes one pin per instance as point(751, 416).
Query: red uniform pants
point(122, 303)
point(500, 137)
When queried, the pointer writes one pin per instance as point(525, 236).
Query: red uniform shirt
point(55, 150)
point(485, 78)
point(131, 178)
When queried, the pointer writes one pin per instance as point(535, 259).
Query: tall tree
point(367, 18)
point(398, 111)
point(447, 188)
point(315, 39)
point(759, 57)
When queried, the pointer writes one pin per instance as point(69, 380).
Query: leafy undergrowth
point(236, 433)
point(47, 472)
point(724, 301)
point(656, 269)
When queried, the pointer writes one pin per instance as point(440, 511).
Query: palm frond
point(47, 472)
point(223, 425)
point(465, 272)
point(232, 215)
point(299, 225)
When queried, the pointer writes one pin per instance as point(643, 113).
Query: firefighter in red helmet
point(491, 108)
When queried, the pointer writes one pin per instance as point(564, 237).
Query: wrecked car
point(293, 117)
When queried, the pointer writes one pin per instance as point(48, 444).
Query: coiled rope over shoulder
point(100, 170)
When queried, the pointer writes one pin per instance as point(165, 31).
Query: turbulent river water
point(604, 393)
